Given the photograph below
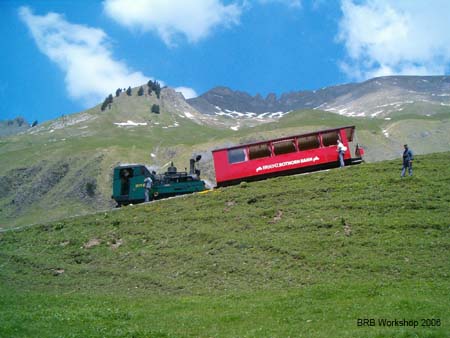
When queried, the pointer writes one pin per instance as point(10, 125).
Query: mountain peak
point(379, 96)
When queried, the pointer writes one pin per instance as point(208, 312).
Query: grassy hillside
point(63, 167)
point(299, 256)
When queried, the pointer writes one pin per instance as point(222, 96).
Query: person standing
point(147, 186)
point(341, 149)
point(407, 161)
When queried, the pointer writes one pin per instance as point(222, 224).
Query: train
point(246, 162)
point(128, 182)
point(285, 156)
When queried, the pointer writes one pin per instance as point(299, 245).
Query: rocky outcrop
point(12, 127)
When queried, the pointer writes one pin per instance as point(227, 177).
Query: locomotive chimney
point(191, 166)
point(171, 169)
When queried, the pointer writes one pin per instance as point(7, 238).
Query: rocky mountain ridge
point(378, 97)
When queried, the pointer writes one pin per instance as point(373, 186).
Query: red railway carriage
point(285, 156)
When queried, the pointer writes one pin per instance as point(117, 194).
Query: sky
point(59, 57)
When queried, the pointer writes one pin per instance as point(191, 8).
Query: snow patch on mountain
point(249, 115)
point(188, 115)
point(130, 123)
point(235, 128)
point(358, 109)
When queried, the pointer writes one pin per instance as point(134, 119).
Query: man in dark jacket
point(407, 161)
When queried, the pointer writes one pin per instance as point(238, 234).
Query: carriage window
point(330, 138)
point(258, 151)
point(236, 155)
point(283, 147)
point(308, 142)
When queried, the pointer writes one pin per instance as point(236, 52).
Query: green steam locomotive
point(128, 182)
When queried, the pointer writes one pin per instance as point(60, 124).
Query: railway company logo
point(287, 163)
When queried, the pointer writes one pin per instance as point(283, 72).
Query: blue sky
point(61, 57)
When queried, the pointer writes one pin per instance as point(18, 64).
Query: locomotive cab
point(128, 183)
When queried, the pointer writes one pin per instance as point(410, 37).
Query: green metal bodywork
point(129, 188)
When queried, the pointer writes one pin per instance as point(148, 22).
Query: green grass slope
point(298, 256)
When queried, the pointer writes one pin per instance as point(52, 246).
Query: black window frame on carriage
point(260, 150)
point(330, 138)
point(282, 147)
point(308, 142)
point(236, 155)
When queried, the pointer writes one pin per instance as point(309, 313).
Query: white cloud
point(193, 19)
point(404, 37)
point(91, 72)
point(81, 52)
point(187, 92)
